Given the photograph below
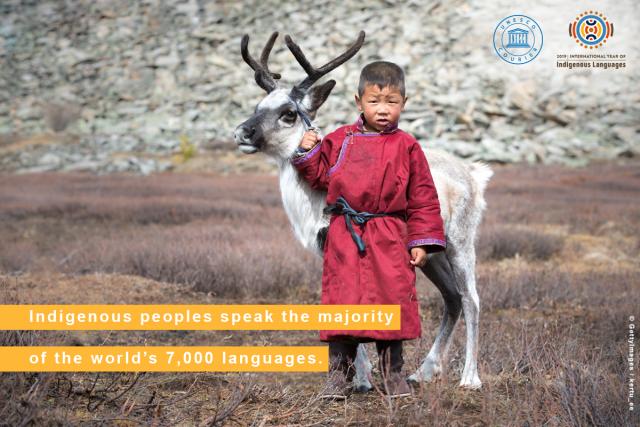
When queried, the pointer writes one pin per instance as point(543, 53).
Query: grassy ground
point(558, 277)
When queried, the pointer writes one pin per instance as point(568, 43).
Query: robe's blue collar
point(358, 126)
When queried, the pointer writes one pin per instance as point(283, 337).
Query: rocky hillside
point(154, 85)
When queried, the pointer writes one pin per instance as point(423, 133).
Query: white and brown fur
point(460, 185)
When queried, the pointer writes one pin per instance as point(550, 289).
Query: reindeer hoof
point(412, 380)
point(424, 376)
point(362, 388)
point(474, 385)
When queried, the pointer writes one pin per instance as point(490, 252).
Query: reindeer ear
point(317, 95)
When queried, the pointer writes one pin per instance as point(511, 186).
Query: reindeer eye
point(289, 116)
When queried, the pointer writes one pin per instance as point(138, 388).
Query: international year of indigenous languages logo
point(517, 39)
point(591, 29)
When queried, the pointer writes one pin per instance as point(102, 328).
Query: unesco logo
point(517, 39)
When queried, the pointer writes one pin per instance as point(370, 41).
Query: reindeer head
point(281, 118)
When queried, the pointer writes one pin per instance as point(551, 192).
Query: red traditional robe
point(376, 172)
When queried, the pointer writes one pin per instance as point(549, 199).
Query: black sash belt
point(341, 207)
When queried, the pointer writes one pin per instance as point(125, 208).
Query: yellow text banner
point(199, 317)
point(164, 359)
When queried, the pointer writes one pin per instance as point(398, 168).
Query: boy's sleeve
point(424, 223)
point(314, 164)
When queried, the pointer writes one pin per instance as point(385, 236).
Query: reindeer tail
point(481, 173)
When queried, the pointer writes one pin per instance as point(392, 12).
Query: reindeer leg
point(463, 265)
point(361, 383)
point(439, 271)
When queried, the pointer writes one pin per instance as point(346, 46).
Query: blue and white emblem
point(517, 39)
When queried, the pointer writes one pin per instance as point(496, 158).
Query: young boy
point(372, 167)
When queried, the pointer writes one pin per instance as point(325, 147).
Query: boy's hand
point(418, 256)
point(309, 140)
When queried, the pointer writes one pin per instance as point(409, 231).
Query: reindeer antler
point(314, 74)
point(265, 78)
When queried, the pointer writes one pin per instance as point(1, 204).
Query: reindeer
point(276, 128)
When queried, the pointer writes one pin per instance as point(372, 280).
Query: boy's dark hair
point(382, 74)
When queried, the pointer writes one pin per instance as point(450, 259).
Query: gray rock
point(145, 76)
point(627, 134)
point(50, 159)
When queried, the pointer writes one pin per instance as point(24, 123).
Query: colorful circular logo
point(517, 39)
point(591, 29)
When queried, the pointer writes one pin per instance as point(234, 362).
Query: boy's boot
point(341, 372)
point(396, 385)
point(390, 364)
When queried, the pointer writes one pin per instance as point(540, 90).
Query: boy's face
point(380, 106)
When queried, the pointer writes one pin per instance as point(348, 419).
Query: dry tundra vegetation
point(558, 276)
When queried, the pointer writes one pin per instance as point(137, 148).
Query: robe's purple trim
point(314, 150)
point(345, 142)
point(430, 241)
